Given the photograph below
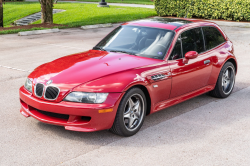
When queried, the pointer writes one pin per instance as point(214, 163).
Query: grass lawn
point(145, 2)
point(76, 14)
point(19, 30)
point(15, 10)
point(89, 14)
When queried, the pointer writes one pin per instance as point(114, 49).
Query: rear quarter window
point(213, 37)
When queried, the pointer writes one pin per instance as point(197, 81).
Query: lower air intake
point(54, 115)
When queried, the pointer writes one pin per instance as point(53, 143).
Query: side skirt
point(170, 102)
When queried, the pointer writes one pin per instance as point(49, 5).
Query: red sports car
point(139, 68)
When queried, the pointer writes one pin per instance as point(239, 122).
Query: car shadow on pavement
point(186, 106)
point(105, 137)
point(95, 137)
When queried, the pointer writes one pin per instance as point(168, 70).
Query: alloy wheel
point(228, 79)
point(133, 112)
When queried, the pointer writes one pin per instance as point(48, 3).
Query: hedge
point(237, 10)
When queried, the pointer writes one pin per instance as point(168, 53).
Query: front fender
point(118, 82)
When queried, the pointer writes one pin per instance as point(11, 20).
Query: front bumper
point(81, 117)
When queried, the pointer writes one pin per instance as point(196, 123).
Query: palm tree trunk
point(1, 13)
point(47, 11)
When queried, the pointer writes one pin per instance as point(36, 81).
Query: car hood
point(73, 70)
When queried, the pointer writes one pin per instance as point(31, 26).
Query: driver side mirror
point(190, 55)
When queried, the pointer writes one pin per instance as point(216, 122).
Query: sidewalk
point(112, 4)
point(219, 22)
point(232, 24)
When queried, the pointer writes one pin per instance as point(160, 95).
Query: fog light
point(106, 110)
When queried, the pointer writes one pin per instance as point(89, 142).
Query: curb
point(96, 26)
point(38, 32)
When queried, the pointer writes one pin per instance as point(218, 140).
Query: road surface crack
point(7, 67)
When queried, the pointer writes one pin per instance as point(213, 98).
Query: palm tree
point(47, 11)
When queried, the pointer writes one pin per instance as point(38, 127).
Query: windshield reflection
point(139, 41)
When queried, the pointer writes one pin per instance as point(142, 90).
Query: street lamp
point(103, 4)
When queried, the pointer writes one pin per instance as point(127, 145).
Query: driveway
point(201, 131)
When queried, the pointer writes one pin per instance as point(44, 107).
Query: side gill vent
point(158, 77)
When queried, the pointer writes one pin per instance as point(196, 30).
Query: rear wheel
point(130, 114)
point(225, 82)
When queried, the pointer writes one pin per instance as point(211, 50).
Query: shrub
point(236, 10)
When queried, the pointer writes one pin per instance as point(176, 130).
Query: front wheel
point(130, 114)
point(225, 82)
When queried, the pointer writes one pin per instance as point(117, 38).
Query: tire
point(130, 113)
point(225, 82)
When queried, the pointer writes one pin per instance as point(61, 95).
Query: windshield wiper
point(99, 48)
point(130, 53)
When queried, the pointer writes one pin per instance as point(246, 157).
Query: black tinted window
point(176, 53)
point(213, 37)
point(192, 40)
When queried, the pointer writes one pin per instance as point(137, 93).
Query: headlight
point(28, 85)
point(84, 97)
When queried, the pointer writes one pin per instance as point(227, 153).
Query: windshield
point(140, 41)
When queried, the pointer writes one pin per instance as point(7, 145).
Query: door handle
point(206, 61)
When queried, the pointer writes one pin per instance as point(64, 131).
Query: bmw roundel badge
point(49, 82)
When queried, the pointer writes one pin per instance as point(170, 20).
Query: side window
point(176, 53)
point(192, 40)
point(212, 37)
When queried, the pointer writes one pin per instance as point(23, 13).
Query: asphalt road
point(201, 131)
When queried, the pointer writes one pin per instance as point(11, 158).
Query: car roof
point(165, 23)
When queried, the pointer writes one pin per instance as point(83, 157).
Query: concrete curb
point(96, 26)
point(38, 32)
